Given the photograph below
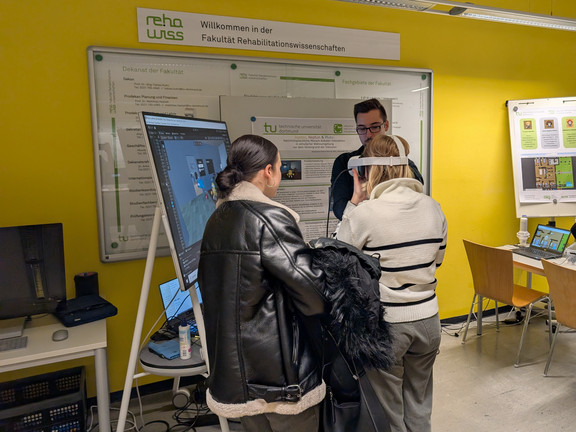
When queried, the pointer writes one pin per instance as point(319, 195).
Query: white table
point(534, 266)
point(83, 341)
point(530, 265)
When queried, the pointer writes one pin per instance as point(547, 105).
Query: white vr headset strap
point(357, 161)
point(399, 145)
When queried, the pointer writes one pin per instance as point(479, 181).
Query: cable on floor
point(454, 329)
point(153, 422)
point(188, 416)
point(91, 427)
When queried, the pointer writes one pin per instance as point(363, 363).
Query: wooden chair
point(562, 283)
point(493, 277)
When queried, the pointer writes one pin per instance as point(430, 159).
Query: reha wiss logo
point(161, 28)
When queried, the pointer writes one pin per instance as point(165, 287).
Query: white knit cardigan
point(408, 230)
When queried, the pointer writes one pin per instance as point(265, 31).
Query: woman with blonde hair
point(386, 147)
point(390, 216)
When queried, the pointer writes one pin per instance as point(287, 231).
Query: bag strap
point(370, 399)
point(352, 372)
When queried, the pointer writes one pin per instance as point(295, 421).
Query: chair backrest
point(492, 271)
point(562, 283)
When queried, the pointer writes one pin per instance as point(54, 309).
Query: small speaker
point(86, 284)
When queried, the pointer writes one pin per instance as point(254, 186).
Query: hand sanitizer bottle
point(184, 337)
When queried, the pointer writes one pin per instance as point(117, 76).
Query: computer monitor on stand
point(186, 155)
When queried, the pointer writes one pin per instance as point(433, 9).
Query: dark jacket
point(259, 293)
point(352, 291)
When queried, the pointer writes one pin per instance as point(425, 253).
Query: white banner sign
point(183, 28)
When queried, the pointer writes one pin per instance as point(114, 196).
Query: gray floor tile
point(476, 386)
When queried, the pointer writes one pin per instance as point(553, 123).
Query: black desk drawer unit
point(53, 402)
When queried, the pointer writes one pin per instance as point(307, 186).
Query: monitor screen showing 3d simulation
point(186, 155)
point(32, 277)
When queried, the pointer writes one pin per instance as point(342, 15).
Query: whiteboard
point(543, 140)
point(124, 82)
point(239, 112)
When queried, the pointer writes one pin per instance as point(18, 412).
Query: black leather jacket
point(259, 294)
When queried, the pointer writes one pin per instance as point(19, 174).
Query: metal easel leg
point(134, 351)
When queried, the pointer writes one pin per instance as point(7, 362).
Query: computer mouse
point(60, 335)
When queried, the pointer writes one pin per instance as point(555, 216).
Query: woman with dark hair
point(261, 297)
point(389, 216)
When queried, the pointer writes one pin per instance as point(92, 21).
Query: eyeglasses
point(361, 130)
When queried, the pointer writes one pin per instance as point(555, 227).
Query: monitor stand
point(11, 328)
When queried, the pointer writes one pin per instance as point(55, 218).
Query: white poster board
point(124, 82)
point(309, 137)
point(543, 139)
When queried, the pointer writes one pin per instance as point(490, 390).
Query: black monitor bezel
point(168, 216)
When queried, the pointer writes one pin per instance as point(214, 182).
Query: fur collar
point(249, 192)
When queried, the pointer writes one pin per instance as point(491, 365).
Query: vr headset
point(360, 163)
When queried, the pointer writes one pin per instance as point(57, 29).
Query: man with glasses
point(371, 120)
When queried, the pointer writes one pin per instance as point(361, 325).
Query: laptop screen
point(550, 239)
point(182, 303)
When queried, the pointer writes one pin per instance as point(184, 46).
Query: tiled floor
point(477, 388)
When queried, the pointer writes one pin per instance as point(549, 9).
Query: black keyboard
point(13, 343)
point(536, 254)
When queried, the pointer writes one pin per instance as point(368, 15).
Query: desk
point(83, 341)
point(530, 265)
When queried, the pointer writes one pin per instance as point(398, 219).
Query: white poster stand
point(135, 348)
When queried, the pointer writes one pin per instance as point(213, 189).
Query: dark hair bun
point(227, 179)
point(247, 155)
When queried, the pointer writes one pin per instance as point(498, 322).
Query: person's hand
point(359, 194)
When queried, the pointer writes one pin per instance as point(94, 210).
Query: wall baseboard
point(486, 313)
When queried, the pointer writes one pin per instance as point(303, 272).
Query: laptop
point(547, 243)
point(181, 307)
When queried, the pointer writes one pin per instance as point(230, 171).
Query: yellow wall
point(46, 165)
